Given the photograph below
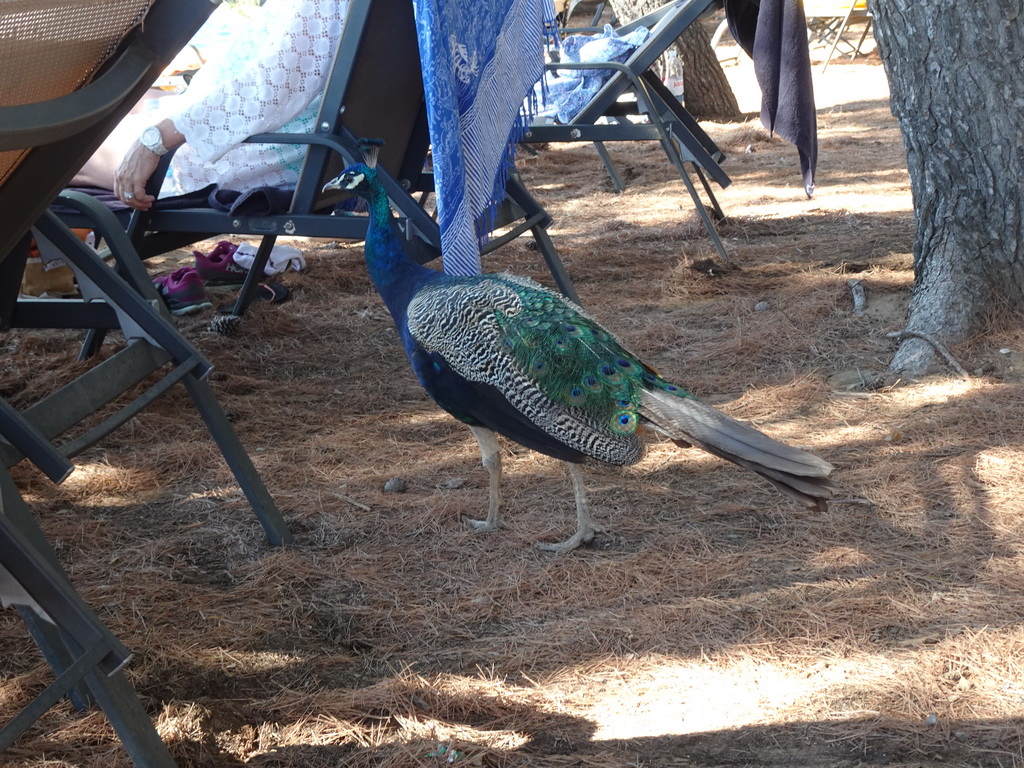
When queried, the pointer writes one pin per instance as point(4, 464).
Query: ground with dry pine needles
point(715, 623)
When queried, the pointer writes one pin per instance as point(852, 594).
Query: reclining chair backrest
point(378, 99)
point(71, 72)
point(375, 91)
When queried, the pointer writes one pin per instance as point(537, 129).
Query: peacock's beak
point(349, 180)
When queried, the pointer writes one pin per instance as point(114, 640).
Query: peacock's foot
point(583, 535)
point(482, 526)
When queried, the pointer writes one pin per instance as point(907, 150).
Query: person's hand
point(132, 174)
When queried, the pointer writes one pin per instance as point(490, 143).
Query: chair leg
point(53, 693)
point(45, 635)
point(863, 37)
point(120, 703)
point(698, 203)
point(52, 644)
point(91, 345)
point(703, 213)
point(716, 209)
point(617, 181)
point(252, 280)
point(554, 262)
point(238, 460)
point(520, 195)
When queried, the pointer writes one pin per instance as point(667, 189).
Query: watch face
point(151, 136)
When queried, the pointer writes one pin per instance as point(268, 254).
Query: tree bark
point(708, 93)
point(957, 92)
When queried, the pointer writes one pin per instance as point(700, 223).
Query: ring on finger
point(129, 196)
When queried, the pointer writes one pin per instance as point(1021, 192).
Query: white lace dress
point(269, 79)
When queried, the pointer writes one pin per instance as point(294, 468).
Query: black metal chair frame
point(606, 117)
point(41, 145)
point(86, 658)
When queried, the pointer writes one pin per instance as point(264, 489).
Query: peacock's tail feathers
point(795, 472)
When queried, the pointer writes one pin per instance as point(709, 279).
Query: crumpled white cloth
point(281, 257)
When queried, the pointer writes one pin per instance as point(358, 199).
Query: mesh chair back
point(51, 49)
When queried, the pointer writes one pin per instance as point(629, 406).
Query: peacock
point(505, 355)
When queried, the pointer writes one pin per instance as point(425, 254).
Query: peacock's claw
point(583, 535)
point(481, 526)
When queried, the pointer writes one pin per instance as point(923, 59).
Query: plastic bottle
point(673, 77)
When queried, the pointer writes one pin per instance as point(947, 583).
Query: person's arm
point(271, 72)
point(138, 165)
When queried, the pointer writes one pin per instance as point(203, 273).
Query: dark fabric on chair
point(262, 201)
point(774, 34)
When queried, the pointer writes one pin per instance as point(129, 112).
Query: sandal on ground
point(275, 293)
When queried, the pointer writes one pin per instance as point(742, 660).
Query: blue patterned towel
point(480, 60)
point(572, 89)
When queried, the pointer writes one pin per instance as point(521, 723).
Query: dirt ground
point(714, 623)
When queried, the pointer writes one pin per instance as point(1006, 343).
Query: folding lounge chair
point(88, 80)
point(635, 89)
point(71, 73)
point(375, 91)
point(828, 21)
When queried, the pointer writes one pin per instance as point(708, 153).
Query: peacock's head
point(359, 178)
point(356, 178)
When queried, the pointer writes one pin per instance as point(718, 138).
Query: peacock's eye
point(624, 422)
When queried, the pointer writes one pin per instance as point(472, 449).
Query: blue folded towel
point(566, 91)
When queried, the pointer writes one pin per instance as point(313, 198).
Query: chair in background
point(829, 21)
point(635, 105)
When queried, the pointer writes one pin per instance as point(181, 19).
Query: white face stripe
point(355, 181)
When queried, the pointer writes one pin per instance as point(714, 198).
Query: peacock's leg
point(585, 525)
point(490, 453)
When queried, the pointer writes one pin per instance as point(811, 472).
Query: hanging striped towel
point(480, 60)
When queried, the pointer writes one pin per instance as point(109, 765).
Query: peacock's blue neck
point(396, 276)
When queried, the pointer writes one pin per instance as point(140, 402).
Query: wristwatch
point(153, 141)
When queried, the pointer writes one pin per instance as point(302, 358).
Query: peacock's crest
point(371, 151)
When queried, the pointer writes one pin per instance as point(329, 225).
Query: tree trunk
point(957, 92)
point(708, 93)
